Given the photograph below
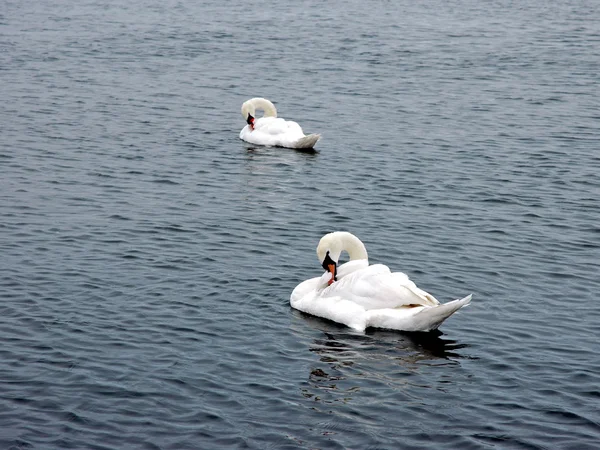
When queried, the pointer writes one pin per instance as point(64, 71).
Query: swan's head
point(250, 121)
point(331, 247)
point(248, 113)
point(328, 252)
point(250, 106)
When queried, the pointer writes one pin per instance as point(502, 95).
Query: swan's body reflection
point(266, 174)
point(400, 363)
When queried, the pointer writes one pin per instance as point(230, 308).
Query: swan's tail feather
point(423, 318)
point(307, 141)
point(432, 318)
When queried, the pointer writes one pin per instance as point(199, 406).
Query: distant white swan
point(359, 295)
point(270, 130)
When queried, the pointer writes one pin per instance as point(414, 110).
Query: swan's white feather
point(273, 131)
point(308, 141)
point(372, 296)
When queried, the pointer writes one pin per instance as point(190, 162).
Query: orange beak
point(331, 268)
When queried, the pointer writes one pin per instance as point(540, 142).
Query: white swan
point(270, 130)
point(359, 295)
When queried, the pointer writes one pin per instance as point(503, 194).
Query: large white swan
point(270, 130)
point(359, 295)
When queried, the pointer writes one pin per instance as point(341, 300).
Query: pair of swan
point(271, 130)
point(360, 295)
point(355, 294)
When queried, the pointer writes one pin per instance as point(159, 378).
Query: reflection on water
point(354, 361)
point(264, 166)
point(269, 179)
point(257, 149)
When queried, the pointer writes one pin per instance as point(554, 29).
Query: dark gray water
point(148, 255)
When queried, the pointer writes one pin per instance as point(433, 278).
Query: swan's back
point(376, 287)
point(278, 126)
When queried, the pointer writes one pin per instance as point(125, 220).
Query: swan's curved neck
point(355, 248)
point(258, 103)
point(339, 241)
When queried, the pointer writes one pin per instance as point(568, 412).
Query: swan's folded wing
point(422, 297)
point(308, 297)
point(351, 266)
point(277, 126)
point(376, 287)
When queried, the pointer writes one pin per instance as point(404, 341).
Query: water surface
point(148, 254)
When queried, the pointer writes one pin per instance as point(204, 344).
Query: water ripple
point(148, 254)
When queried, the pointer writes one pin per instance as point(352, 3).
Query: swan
point(360, 295)
point(270, 130)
